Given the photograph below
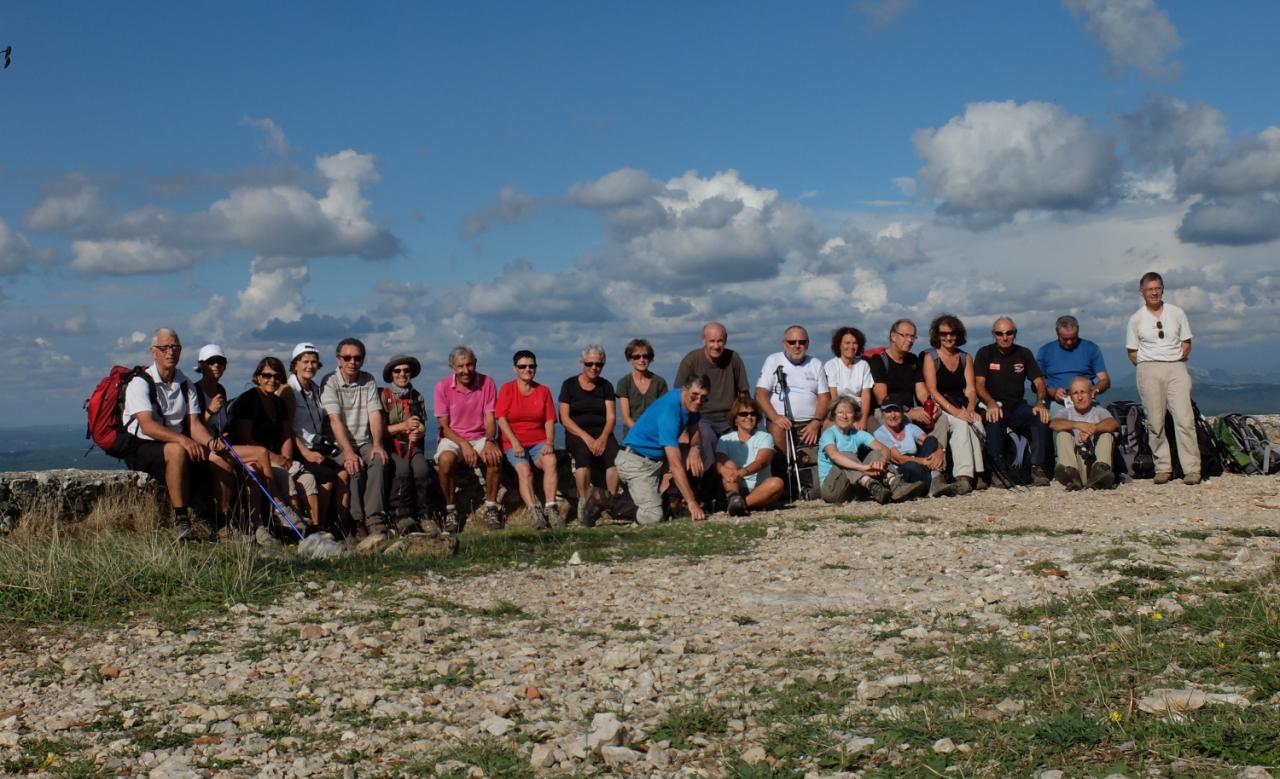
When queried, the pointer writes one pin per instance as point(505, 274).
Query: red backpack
point(105, 408)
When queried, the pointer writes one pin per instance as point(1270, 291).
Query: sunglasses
point(801, 342)
point(529, 366)
point(648, 356)
point(1003, 333)
point(269, 376)
point(351, 357)
point(946, 334)
point(1159, 329)
point(589, 364)
point(217, 362)
point(168, 347)
point(748, 414)
point(398, 371)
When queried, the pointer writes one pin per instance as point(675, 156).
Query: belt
point(642, 454)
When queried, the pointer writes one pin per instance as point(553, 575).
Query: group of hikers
point(888, 424)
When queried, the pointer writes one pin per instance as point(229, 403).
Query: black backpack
point(1212, 459)
point(1134, 449)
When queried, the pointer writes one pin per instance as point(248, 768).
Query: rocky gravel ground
point(579, 669)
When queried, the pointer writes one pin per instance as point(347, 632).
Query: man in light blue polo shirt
point(653, 445)
point(1068, 357)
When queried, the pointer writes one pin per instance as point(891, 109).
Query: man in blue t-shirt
point(653, 445)
point(1071, 356)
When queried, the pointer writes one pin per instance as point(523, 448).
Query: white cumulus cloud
point(1134, 33)
point(15, 250)
point(125, 257)
point(999, 159)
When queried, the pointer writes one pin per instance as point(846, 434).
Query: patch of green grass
point(1108, 554)
point(116, 575)
point(1041, 565)
point(744, 620)
point(625, 626)
point(1022, 530)
point(835, 567)
point(494, 759)
point(1212, 556)
point(1148, 571)
point(1252, 532)
point(695, 720)
point(857, 519)
point(1194, 535)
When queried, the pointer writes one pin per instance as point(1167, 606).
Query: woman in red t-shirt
point(527, 419)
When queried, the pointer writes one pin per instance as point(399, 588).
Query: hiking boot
point(1163, 478)
point(1191, 478)
point(1068, 477)
point(537, 518)
point(183, 530)
point(428, 526)
point(493, 518)
point(906, 490)
point(590, 507)
point(407, 525)
point(878, 491)
point(376, 525)
point(1101, 477)
point(939, 487)
point(981, 483)
point(552, 513)
point(1039, 478)
point(737, 506)
point(452, 523)
point(964, 485)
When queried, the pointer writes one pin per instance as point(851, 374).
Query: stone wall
point(70, 494)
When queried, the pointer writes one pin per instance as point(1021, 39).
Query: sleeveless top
point(951, 384)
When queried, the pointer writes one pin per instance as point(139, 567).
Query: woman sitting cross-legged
point(742, 455)
point(853, 462)
point(527, 419)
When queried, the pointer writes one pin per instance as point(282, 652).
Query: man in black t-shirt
point(897, 379)
point(1002, 370)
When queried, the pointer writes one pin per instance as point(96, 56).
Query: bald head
point(714, 338)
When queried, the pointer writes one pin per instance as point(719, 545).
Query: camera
point(326, 446)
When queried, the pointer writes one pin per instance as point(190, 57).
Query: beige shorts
point(447, 445)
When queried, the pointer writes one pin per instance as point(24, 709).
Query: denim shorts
point(531, 453)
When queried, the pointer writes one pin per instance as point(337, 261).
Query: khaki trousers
point(1065, 443)
point(1166, 386)
point(966, 447)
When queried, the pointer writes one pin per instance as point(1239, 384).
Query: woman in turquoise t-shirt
point(841, 467)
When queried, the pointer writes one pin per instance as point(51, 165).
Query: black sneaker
point(1038, 477)
point(184, 531)
point(592, 507)
point(737, 506)
point(1068, 477)
point(493, 518)
point(452, 524)
point(878, 491)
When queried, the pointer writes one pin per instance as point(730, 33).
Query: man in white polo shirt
point(1159, 343)
point(801, 385)
point(163, 417)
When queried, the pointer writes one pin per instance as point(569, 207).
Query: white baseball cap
point(303, 348)
point(208, 352)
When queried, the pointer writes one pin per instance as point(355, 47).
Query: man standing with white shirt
point(1159, 343)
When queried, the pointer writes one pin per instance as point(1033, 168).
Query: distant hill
point(1214, 399)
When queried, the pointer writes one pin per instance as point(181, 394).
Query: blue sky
point(551, 175)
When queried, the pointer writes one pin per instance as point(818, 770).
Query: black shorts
point(148, 457)
point(583, 458)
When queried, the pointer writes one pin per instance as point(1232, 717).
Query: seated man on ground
point(742, 456)
point(653, 446)
point(1001, 370)
point(793, 391)
point(909, 450)
point(1068, 357)
point(1084, 435)
point(464, 408)
point(163, 417)
point(358, 422)
point(852, 463)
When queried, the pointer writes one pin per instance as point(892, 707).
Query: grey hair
point(699, 380)
point(1066, 322)
point(1012, 324)
point(460, 351)
point(843, 400)
point(593, 349)
point(169, 331)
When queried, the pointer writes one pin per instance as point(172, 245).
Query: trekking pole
point(1005, 477)
point(781, 376)
point(277, 507)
